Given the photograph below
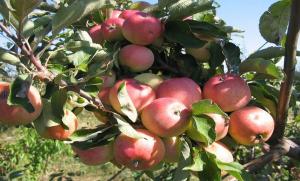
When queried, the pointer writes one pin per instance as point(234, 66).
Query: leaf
point(6, 11)
point(206, 28)
point(18, 93)
point(216, 55)
point(232, 54)
point(37, 26)
point(58, 101)
point(207, 106)
point(198, 164)
point(233, 168)
point(185, 8)
point(202, 129)
point(9, 57)
point(127, 106)
point(273, 23)
point(269, 53)
point(210, 170)
point(180, 32)
point(78, 45)
point(81, 58)
point(23, 7)
point(66, 16)
point(165, 3)
point(262, 66)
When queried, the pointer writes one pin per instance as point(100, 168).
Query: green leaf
point(198, 164)
point(232, 54)
point(6, 11)
point(207, 106)
point(206, 28)
point(66, 16)
point(216, 56)
point(127, 106)
point(37, 26)
point(185, 8)
point(81, 58)
point(210, 170)
point(202, 129)
point(180, 32)
point(273, 23)
point(18, 93)
point(23, 7)
point(269, 53)
point(233, 168)
point(78, 45)
point(9, 57)
point(262, 66)
point(165, 3)
point(58, 101)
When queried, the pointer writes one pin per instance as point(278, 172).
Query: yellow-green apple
point(139, 153)
point(173, 147)
point(220, 151)
point(111, 29)
point(141, 28)
point(150, 79)
point(141, 95)
point(128, 13)
point(139, 5)
point(96, 35)
point(251, 125)
point(229, 91)
point(17, 115)
point(135, 57)
point(95, 156)
point(183, 89)
point(166, 117)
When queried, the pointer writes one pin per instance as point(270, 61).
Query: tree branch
point(289, 70)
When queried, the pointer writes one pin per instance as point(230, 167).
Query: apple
point(139, 5)
point(115, 14)
point(136, 58)
point(229, 91)
point(17, 115)
point(220, 151)
point(128, 13)
point(221, 127)
point(166, 117)
point(96, 35)
point(183, 89)
point(111, 29)
point(140, 94)
point(95, 156)
point(150, 79)
point(251, 125)
point(108, 80)
point(139, 153)
point(141, 28)
point(200, 54)
point(173, 146)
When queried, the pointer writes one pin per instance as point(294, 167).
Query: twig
point(117, 174)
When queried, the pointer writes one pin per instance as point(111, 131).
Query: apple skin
point(251, 125)
point(229, 91)
point(166, 117)
point(96, 35)
point(150, 79)
point(221, 151)
point(139, 154)
point(136, 58)
point(95, 156)
point(221, 127)
point(109, 80)
point(17, 115)
point(183, 89)
point(111, 29)
point(115, 14)
point(128, 13)
point(140, 94)
point(141, 28)
point(173, 147)
point(200, 54)
point(140, 5)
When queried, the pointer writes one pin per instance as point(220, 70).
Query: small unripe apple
point(173, 147)
point(166, 117)
point(128, 13)
point(183, 89)
point(150, 79)
point(229, 91)
point(139, 153)
point(96, 35)
point(221, 151)
point(251, 125)
point(141, 28)
point(111, 29)
point(17, 115)
point(136, 58)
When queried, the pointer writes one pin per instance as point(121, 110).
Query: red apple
point(128, 13)
point(112, 29)
point(17, 115)
point(96, 35)
point(183, 89)
point(173, 147)
point(109, 79)
point(139, 154)
point(115, 14)
point(104, 95)
point(142, 29)
point(251, 125)
point(166, 117)
point(229, 91)
point(221, 151)
point(95, 156)
point(140, 94)
point(136, 58)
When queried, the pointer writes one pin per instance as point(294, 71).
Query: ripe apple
point(96, 35)
point(128, 13)
point(104, 95)
point(150, 79)
point(229, 91)
point(200, 54)
point(141, 28)
point(139, 5)
point(173, 147)
point(95, 156)
point(166, 117)
point(111, 29)
point(17, 115)
point(140, 94)
point(139, 154)
point(221, 151)
point(221, 127)
point(136, 58)
point(115, 14)
point(108, 80)
point(251, 125)
point(183, 89)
